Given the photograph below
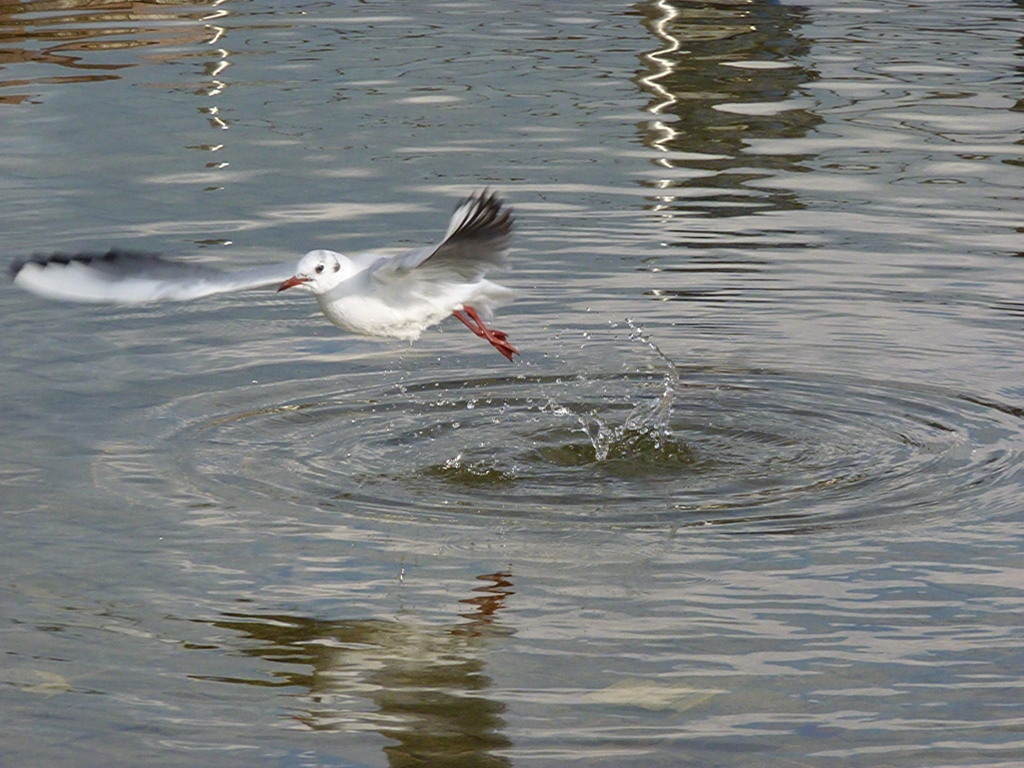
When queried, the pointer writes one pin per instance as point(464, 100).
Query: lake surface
point(752, 495)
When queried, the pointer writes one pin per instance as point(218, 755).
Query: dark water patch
point(756, 450)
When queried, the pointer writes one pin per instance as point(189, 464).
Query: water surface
point(751, 495)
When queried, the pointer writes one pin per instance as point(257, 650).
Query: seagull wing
point(476, 242)
point(123, 277)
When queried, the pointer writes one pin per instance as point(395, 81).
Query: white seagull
point(367, 294)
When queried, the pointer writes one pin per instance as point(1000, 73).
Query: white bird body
point(403, 310)
point(368, 294)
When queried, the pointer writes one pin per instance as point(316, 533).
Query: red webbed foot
point(498, 339)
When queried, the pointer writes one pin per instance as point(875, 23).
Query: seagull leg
point(498, 339)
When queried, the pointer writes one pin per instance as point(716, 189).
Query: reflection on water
point(88, 36)
point(848, 375)
point(726, 72)
point(421, 685)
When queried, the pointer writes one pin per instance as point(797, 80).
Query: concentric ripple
point(757, 449)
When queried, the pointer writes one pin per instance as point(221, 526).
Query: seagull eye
point(319, 268)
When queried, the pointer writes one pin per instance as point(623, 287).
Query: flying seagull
point(367, 294)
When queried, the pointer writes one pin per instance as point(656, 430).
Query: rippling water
point(751, 496)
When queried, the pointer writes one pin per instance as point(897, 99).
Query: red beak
point(291, 282)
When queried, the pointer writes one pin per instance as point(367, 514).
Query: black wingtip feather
point(490, 216)
point(111, 256)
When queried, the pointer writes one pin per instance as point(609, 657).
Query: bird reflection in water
point(420, 685)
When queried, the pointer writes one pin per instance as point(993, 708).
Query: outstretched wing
point(123, 277)
point(476, 242)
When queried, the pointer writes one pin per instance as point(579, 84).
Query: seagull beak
point(291, 282)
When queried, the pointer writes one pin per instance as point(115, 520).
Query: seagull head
point(318, 272)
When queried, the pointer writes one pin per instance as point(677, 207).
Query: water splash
point(646, 430)
point(472, 473)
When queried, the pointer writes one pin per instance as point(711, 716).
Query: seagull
point(368, 294)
